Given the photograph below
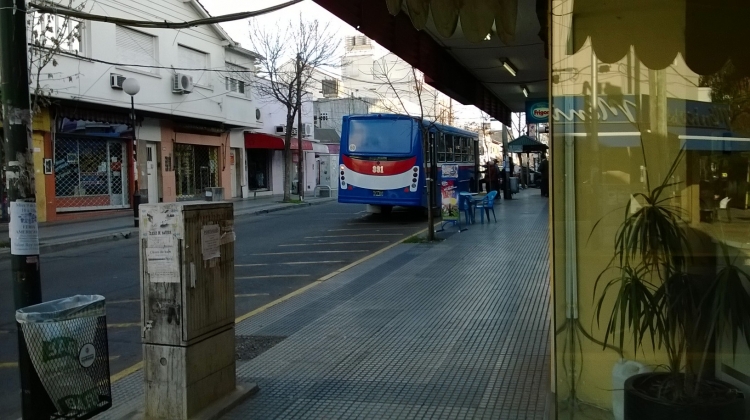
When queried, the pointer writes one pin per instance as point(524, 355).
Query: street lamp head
point(131, 86)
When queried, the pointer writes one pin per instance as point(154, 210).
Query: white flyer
point(210, 242)
point(23, 229)
point(162, 265)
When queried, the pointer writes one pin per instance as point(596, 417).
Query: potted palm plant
point(649, 293)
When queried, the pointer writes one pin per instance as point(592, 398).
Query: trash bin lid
point(77, 306)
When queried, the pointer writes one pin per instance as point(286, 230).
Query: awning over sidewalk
point(526, 144)
point(320, 148)
point(306, 145)
point(706, 33)
point(263, 141)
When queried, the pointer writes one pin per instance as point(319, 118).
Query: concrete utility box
point(187, 295)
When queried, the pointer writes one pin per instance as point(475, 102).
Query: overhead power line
point(43, 8)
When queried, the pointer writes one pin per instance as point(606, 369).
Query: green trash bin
point(67, 342)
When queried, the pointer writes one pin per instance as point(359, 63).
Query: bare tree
point(291, 54)
point(401, 89)
point(51, 36)
point(397, 92)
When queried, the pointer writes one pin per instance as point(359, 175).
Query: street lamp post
point(131, 87)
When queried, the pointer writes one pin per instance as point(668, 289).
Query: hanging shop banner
point(449, 192)
point(537, 111)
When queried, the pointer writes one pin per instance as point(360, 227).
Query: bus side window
point(472, 145)
point(449, 151)
point(441, 148)
point(466, 151)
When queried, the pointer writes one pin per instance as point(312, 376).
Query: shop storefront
point(196, 168)
point(91, 165)
point(263, 150)
point(650, 220)
point(194, 158)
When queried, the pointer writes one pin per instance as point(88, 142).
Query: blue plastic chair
point(487, 204)
point(465, 206)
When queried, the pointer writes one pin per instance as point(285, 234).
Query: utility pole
point(431, 175)
point(300, 152)
point(19, 172)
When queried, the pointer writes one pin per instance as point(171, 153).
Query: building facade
point(191, 112)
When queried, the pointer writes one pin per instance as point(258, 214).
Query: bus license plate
point(377, 193)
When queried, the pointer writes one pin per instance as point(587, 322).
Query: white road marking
point(337, 243)
point(250, 295)
point(124, 325)
point(362, 228)
point(311, 262)
point(290, 263)
point(273, 276)
point(312, 252)
point(115, 302)
point(359, 234)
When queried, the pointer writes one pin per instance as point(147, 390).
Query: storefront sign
point(537, 111)
point(624, 109)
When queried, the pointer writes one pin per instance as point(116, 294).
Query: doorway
point(152, 174)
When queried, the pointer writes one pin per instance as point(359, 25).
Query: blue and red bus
point(383, 160)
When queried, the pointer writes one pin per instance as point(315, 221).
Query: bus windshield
point(381, 136)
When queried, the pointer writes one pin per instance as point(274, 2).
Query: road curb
point(282, 206)
point(129, 233)
point(58, 246)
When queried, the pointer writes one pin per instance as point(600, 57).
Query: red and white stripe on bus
point(379, 175)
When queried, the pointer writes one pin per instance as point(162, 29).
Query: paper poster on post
point(162, 265)
point(23, 229)
point(210, 242)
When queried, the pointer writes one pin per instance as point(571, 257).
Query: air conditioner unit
point(308, 130)
point(182, 83)
point(280, 129)
point(116, 80)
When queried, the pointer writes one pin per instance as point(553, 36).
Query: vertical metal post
point(431, 175)
point(301, 153)
point(19, 167)
point(136, 191)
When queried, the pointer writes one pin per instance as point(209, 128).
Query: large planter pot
point(640, 404)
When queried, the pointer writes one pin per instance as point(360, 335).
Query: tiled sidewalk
point(450, 331)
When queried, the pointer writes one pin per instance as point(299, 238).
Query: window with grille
point(237, 79)
point(136, 48)
point(442, 148)
point(188, 58)
point(330, 87)
point(324, 116)
point(54, 31)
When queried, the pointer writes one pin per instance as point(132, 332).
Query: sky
point(239, 30)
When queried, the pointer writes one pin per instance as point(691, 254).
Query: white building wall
point(85, 80)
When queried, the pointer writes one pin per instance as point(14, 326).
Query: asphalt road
point(275, 254)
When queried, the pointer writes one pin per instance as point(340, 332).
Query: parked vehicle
point(383, 157)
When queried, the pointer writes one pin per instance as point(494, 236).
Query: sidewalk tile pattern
point(457, 330)
point(460, 330)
